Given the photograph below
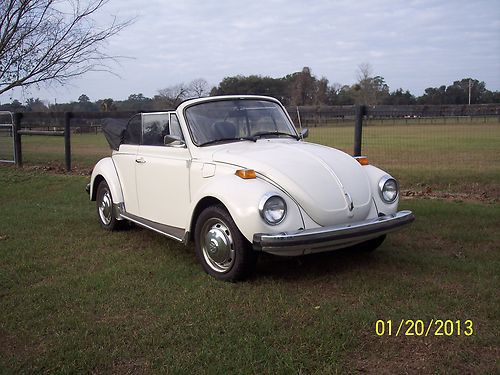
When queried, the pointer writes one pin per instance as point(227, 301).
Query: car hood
point(323, 181)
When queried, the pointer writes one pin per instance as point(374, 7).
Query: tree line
point(296, 89)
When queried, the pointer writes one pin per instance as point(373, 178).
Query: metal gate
point(6, 137)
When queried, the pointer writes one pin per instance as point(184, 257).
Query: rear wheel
point(221, 248)
point(105, 209)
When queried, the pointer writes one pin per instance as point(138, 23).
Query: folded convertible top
point(115, 131)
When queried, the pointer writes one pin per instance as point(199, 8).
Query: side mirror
point(173, 141)
point(304, 133)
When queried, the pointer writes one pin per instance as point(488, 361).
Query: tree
point(369, 90)
point(433, 95)
point(137, 98)
point(198, 88)
point(47, 41)
point(321, 94)
point(35, 105)
point(345, 96)
point(253, 85)
point(14, 106)
point(83, 99)
point(107, 105)
point(302, 87)
point(172, 96)
point(135, 102)
point(458, 93)
point(399, 97)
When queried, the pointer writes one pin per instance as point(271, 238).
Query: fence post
point(67, 140)
point(358, 128)
point(18, 153)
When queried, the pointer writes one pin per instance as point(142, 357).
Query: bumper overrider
point(330, 238)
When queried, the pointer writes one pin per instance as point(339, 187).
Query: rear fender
point(105, 170)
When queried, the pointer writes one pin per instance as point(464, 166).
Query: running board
point(171, 232)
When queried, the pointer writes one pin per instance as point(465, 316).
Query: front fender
point(105, 169)
point(241, 198)
point(375, 174)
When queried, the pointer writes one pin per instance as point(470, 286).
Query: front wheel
point(221, 248)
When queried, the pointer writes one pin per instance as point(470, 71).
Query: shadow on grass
point(273, 267)
point(313, 266)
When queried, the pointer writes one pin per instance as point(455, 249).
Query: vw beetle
point(232, 174)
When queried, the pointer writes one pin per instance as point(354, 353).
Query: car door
point(125, 164)
point(162, 172)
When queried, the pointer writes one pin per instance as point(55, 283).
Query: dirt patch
point(55, 168)
point(14, 347)
point(490, 195)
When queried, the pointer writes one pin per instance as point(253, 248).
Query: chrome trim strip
point(331, 237)
point(167, 230)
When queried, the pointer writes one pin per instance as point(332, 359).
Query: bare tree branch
point(198, 88)
point(41, 43)
point(173, 95)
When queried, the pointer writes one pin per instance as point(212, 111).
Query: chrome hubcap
point(217, 245)
point(106, 208)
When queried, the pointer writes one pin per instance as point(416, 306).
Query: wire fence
point(451, 150)
point(455, 153)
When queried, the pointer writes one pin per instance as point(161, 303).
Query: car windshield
point(237, 119)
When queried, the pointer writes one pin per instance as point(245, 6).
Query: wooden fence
point(64, 123)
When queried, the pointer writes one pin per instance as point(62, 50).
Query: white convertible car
point(232, 174)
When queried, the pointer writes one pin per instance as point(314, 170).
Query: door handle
point(140, 160)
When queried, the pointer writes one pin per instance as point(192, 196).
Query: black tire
point(105, 210)
point(222, 250)
point(371, 245)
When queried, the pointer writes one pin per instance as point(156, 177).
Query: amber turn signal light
point(363, 160)
point(246, 173)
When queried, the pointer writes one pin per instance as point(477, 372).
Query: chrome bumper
point(330, 238)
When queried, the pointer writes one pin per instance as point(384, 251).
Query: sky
point(412, 44)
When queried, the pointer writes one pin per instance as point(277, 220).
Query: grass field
point(74, 298)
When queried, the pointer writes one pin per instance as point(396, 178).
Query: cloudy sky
point(412, 44)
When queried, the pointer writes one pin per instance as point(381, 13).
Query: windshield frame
point(286, 116)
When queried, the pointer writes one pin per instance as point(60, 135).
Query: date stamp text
point(434, 327)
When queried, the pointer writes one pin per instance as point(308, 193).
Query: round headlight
point(272, 208)
point(388, 189)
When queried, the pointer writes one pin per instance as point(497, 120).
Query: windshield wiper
point(261, 134)
point(229, 139)
point(252, 138)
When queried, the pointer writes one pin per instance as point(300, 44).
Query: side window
point(132, 135)
point(175, 127)
point(154, 128)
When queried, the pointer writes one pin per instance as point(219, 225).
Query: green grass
point(74, 298)
point(6, 146)
point(86, 150)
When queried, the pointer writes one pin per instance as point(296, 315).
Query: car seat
point(224, 129)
